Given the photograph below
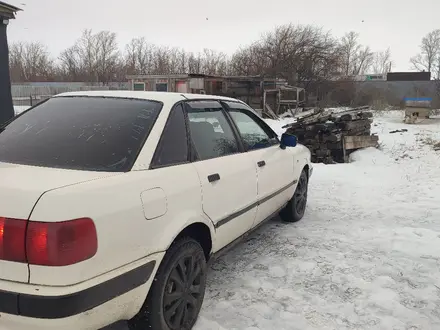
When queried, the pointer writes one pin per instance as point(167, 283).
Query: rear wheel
point(295, 209)
point(178, 289)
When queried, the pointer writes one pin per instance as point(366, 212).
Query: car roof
point(167, 97)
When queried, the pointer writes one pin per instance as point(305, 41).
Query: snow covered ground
point(365, 256)
point(19, 109)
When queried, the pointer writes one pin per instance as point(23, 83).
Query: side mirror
point(288, 140)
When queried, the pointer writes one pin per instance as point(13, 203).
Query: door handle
point(261, 163)
point(214, 177)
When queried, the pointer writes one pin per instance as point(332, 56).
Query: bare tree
point(300, 54)
point(16, 62)
point(78, 62)
point(139, 56)
point(382, 62)
point(144, 58)
point(195, 63)
point(86, 52)
point(161, 59)
point(429, 57)
point(319, 58)
point(363, 61)
point(248, 61)
point(107, 56)
point(349, 50)
point(182, 66)
point(70, 65)
point(356, 59)
point(214, 62)
point(30, 62)
point(94, 58)
point(174, 57)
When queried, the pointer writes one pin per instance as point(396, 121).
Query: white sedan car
point(112, 203)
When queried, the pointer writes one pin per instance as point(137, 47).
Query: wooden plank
point(352, 116)
point(349, 125)
point(271, 112)
point(358, 142)
point(332, 137)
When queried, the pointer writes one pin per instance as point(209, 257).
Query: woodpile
point(331, 137)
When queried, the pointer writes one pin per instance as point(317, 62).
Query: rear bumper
point(57, 307)
point(95, 304)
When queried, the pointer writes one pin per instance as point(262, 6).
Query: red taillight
point(48, 243)
point(12, 239)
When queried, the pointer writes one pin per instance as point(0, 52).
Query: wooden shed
point(247, 88)
point(7, 12)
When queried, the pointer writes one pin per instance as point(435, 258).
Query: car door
point(227, 175)
point(274, 165)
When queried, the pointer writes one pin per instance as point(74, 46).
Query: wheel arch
point(200, 232)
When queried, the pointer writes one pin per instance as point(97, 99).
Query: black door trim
point(254, 205)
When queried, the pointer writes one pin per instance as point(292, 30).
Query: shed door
point(181, 87)
point(162, 87)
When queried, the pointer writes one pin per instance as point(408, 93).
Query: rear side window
point(80, 133)
point(173, 145)
point(211, 132)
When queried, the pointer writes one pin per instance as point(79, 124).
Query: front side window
point(80, 133)
point(254, 136)
point(210, 131)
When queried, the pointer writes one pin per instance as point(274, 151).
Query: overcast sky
point(227, 24)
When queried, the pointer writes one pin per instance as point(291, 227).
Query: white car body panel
point(273, 179)
point(236, 190)
point(110, 203)
point(138, 214)
point(20, 188)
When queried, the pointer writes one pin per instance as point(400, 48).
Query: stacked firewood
point(331, 137)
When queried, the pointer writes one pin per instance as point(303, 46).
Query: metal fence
point(31, 94)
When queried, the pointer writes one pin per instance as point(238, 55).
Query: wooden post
point(279, 102)
point(264, 101)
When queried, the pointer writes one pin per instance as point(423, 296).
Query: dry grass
point(431, 142)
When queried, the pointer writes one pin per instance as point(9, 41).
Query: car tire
point(296, 207)
point(178, 289)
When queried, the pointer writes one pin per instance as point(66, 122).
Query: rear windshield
point(81, 133)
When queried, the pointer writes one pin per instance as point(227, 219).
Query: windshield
point(81, 133)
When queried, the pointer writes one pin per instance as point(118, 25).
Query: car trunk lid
point(20, 189)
